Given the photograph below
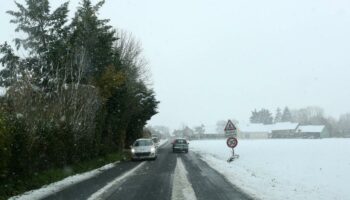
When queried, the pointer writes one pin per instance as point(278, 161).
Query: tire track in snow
point(182, 188)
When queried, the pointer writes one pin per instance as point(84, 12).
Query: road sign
point(232, 142)
point(230, 127)
point(231, 134)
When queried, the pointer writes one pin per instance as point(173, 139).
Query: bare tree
point(130, 52)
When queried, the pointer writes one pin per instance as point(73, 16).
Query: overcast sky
point(220, 59)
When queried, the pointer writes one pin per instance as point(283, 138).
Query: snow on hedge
point(283, 169)
point(2, 91)
point(60, 185)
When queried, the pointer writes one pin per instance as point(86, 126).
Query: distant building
point(213, 136)
point(263, 131)
point(281, 130)
point(312, 131)
point(254, 131)
point(188, 133)
point(185, 132)
point(284, 130)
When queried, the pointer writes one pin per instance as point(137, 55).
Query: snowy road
point(171, 176)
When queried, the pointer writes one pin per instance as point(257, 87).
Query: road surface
point(172, 176)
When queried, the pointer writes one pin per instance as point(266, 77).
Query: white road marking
point(182, 188)
point(110, 187)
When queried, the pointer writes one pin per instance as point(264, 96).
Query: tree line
point(266, 117)
point(78, 91)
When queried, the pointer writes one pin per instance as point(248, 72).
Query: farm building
point(284, 130)
point(312, 131)
point(281, 130)
point(261, 131)
point(254, 131)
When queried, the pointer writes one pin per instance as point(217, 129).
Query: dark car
point(180, 145)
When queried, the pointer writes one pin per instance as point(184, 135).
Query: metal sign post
point(232, 142)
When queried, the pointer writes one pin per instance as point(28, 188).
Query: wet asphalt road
point(153, 180)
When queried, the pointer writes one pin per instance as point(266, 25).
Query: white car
point(143, 148)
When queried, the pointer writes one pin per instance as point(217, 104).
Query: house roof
point(281, 126)
point(268, 128)
point(255, 128)
point(311, 128)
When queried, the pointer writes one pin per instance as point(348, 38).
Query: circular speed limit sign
point(232, 142)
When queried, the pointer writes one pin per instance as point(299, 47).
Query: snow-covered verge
point(162, 142)
point(60, 185)
point(283, 169)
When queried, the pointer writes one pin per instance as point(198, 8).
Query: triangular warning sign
point(230, 126)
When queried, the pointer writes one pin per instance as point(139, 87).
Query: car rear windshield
point(143, 143)
point(180, 141)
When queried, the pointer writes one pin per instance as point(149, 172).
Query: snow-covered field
point(283, 169)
